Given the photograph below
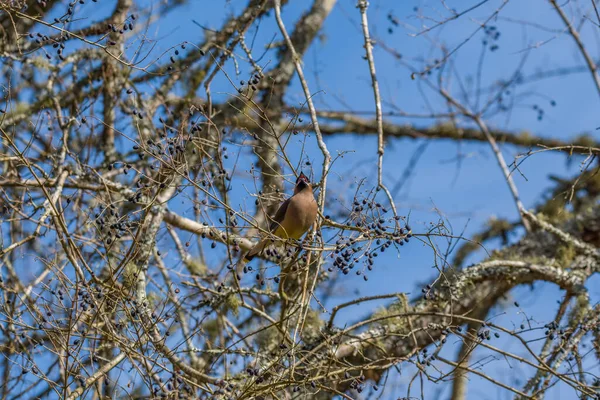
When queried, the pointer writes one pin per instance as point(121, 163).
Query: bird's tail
point(254, 251)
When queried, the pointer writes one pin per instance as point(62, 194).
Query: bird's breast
point(300, 215)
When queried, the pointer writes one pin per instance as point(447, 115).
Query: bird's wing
point(279, 215)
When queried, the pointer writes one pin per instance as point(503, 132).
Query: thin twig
point(575, 35)
point(362, 5)
point(311, 106)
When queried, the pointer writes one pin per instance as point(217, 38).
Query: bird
point(293, 218)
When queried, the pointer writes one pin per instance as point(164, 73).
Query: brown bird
point(294, 217)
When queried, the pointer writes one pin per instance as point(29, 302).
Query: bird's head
point(301, 183)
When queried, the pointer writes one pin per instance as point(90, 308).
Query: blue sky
point(466, 193)
point(469, 193)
